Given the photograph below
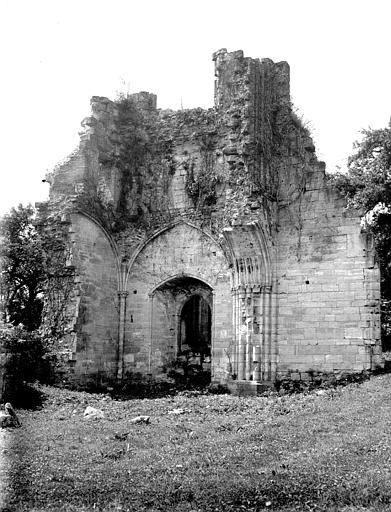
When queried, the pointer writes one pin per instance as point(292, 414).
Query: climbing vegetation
point(27, 357)
point(367, 187)
point(26, 280)
point(22, 268)
point(202, 180)
point(201, 185)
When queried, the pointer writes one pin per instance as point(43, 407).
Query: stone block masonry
point(209, 242)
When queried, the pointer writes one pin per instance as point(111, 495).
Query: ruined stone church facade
point(208, 241)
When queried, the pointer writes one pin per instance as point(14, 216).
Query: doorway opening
point(195, 333)
point(181, 329)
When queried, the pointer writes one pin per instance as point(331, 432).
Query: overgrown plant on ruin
point(367, 187)
point(22, 268)
point(32, 277)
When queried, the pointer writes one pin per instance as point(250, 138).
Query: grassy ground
point(320, 452)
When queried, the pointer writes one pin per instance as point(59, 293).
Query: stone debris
point(8, 418)
point(177, 411)
point(91, 413)
point(141, 419)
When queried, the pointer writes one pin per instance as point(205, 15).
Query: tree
point(367, 187)
point(22, 266)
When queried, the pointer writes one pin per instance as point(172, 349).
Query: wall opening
point(195, 332)
point(182, 327)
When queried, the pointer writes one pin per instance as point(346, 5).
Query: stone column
point(257, 333)
point(249, 331)
point(122, 295)
point(150, 333)
point(241, 338)
point(234, 355)
point(213, 335)
point(267, 337)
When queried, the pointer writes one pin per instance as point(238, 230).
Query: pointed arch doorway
point(195, 329)
point(182, 323)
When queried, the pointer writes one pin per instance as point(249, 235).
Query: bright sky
point(56, 54)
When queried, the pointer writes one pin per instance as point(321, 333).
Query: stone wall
point(228, 204)
point(172, 264)
point(96, 312)
point(329, 291)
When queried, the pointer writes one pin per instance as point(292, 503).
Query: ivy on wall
point(367, 187)
point(143, 153)
point(131, 150)
point(201, 183)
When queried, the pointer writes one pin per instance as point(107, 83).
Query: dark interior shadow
point(23, 396)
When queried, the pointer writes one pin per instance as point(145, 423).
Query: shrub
point(25, 358)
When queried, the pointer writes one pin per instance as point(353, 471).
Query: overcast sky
point(56, 54)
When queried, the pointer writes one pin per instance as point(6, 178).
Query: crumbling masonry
point(208, 241)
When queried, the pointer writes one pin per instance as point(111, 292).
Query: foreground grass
point(320, 452)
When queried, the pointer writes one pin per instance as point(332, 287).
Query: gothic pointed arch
point(220, 244)
point(106, 234)
point(253, 289)
point(176, 263)
point(95, 258)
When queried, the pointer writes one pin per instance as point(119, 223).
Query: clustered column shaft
point(253, 352)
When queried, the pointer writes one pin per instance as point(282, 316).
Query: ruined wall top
point(246, 156)
point(243, 76)
point(144, 100)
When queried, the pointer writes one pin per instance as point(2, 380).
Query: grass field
point(323, 451)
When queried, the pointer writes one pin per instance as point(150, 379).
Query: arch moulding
point(159, 232)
